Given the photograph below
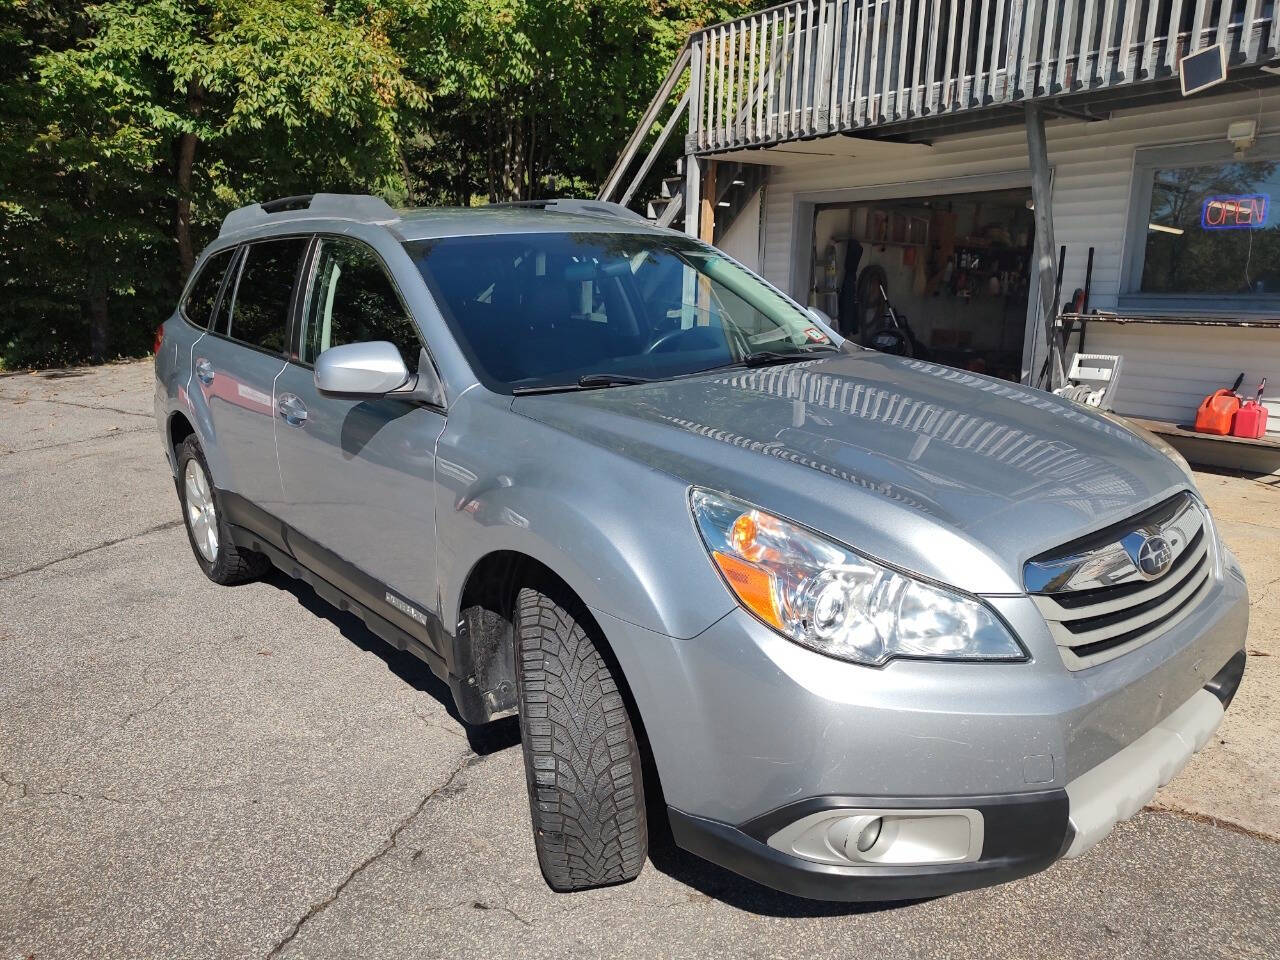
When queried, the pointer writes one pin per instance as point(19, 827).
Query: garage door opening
point(956, 270)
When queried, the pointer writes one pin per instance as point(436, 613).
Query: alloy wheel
point(202, 516)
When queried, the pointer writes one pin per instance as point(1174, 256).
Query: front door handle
point(204, 370)
point(292, 409)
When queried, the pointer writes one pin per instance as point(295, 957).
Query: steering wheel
point(667, 338)
point(738, 338)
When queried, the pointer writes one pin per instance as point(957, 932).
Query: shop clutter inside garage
point(943, 278)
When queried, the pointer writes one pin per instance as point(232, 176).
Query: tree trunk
point(186, 152)
point(408, 176)
point(99, 320)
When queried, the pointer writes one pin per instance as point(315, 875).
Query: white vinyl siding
point(742, 240)
point(1168, 370)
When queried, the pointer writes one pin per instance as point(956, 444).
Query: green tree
point(129, 128)
point(535, 97)
point(136, 140)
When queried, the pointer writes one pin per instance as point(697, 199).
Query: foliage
point(128, 128)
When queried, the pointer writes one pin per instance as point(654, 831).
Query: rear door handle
point(292, 409)
point(204, 370)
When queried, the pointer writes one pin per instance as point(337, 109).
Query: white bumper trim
point(1119, 787)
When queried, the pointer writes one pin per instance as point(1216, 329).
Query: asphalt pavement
point(195, 771)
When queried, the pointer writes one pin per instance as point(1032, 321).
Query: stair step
point(672, 186)
point(654, 208)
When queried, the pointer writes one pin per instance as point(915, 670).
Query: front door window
point(352, 300)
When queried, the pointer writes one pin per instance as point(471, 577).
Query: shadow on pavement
point(483, 740)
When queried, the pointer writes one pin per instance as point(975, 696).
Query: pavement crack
point(449, 730)
point(1158, 807)
point(80, 553)
point(143, 711)
point(475, 904)
point(25, 791)
point(1262, 592)
point(71, 443)
point(470, 760)
point(82, 406)
point(10, 783)
point(501, 908)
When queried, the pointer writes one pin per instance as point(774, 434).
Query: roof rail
point(586, 208)
point(334, 206)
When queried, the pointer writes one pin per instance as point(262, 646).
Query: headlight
point(832, 600)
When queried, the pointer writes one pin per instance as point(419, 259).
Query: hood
point(877, 449)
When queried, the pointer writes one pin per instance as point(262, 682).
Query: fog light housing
point(870, 834)
point(884, 837)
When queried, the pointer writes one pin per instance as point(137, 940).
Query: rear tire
point(221, 560)
point(581, 757)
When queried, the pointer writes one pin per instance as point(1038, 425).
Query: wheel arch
point(484, 641)
point(178, 428)
point(484, 645)
point(483, 655)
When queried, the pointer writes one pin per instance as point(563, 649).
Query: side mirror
point(367, 369)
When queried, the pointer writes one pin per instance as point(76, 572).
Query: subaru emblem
point(1154, 557)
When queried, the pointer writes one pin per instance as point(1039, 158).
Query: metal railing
point(811, 67)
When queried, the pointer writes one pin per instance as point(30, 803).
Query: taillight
point(159, 339)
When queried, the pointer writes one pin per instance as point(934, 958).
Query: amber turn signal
point(751, 585)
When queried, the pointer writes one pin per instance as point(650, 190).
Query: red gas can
point(1217, 413)
point(1251, 419)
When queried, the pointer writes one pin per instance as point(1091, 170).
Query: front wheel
point(581, 757)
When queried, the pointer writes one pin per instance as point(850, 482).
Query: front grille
point(1097, 601)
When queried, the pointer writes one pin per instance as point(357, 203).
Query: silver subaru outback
point(861, 627)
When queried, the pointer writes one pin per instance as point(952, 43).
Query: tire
point(581, 757)
point(206, 524)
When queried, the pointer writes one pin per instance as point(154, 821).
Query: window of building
point(957, 266)
point(1203, 237)
point(1211, 229)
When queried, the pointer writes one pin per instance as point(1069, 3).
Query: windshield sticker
point(815, 335)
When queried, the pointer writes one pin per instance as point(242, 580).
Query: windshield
point(547, 309)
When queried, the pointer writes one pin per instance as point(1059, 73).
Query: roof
point(420, 223)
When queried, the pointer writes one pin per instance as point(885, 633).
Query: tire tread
point(582, 760)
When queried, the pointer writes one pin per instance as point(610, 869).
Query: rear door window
point(259, 314)
point(200, 300)
point(222, 317)
point(352, 300)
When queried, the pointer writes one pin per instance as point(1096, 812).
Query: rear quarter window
point(198, 305)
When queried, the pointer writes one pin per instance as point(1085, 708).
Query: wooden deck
point(1260, 456)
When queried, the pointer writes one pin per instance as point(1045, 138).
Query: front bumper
point(1024, 835)
point(743, 723)
point(1018, 835)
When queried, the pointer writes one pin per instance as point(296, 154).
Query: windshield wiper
point(767, 358)
point(588, 381)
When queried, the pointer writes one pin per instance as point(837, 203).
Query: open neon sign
point(1247, 212)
